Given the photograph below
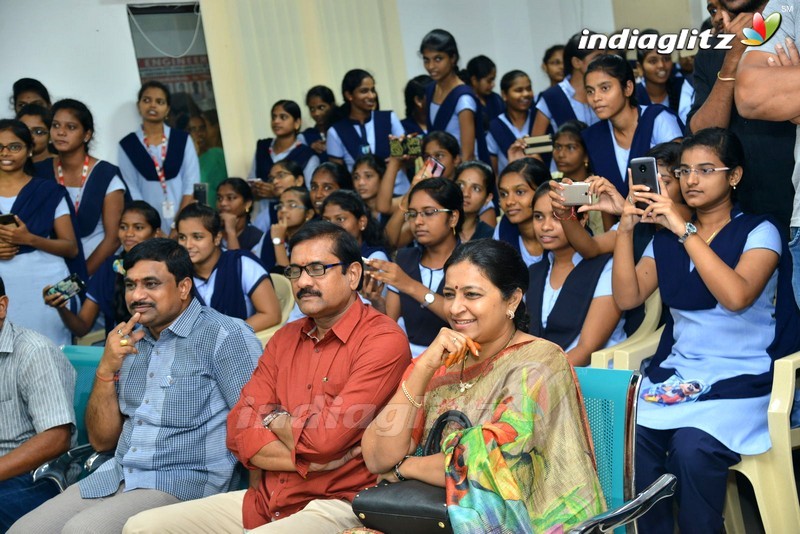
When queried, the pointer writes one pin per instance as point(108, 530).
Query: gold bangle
point(414, 403)
point(720, 78)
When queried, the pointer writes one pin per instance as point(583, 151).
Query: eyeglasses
point(685, 172)
point(278, 176)
point(289, 206)
point(411, 215)
point(293, 272)
point(38, 132)
point(12, 147)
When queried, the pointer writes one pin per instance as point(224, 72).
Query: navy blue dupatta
point(94, 192)
point(228, 297)
point(685, 290)
point(559, 105)
point(566, 319)
point(600, 145)
point(447, 109)
point(141, 160)
point(353, 142)
point(36, 205)
point(503, 135)
point(300, 154)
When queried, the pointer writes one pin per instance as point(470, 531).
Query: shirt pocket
point(187, 400)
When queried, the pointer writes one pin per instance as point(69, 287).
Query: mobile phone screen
point(433, 167)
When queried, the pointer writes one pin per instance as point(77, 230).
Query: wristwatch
point(271, 416)
point(400, 477)
point(690, 229)
point(430, 296)
point(277, 241)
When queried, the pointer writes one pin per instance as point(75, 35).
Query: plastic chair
point(652, 315)
point(67, 468)
point(283, 289)
point(771, 473)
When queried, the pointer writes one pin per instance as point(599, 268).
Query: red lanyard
point(84, 176)
point(159, 169)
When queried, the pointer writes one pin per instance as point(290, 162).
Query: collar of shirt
point(369, 119)
point(7, 338)
point(140, 134)
point(567, 87)
point(341, 329)
point(182, 325)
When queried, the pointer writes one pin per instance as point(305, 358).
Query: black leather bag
point(411, 505)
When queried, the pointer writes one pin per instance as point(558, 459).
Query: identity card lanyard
point(167, 207)
point(84, 176)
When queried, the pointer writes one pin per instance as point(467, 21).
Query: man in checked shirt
point(160, 400)
point(299, 421)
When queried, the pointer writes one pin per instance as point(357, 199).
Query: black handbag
point(411, 505)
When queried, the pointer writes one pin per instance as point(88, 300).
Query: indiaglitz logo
point(762, 30)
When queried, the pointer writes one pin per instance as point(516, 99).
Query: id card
point(168, 209)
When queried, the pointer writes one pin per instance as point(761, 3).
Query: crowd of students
point(590, 269)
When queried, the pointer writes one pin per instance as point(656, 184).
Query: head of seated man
point(326, 272)
point(158, 283)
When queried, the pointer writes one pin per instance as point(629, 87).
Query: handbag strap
point(433, 444)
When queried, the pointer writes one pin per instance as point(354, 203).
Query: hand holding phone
point(8, 218)
point(433, 167)
point(68, 287)
point(201, 193)
point(644, 171)
point(576, 194)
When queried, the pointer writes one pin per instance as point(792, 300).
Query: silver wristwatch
point(690, 229)
point(428, 299)
point(271, 416)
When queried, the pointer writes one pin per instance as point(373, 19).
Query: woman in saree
point(526, 462)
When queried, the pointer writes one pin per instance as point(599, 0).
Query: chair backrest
point(283, 289)
point(84, 359)
point(609, 396)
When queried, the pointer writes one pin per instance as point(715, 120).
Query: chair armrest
point(96, 460)
point(60, 471)
point(630, 511)
point(632, 355)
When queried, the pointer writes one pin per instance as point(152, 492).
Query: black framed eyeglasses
point(411, 215)
point(293, 272)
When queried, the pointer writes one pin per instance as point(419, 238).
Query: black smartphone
point(201, 193)
point(396, 148)
point(69, 286)
point(644, 171)
point(8, 218)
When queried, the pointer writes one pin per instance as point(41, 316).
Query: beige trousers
point(223, 514)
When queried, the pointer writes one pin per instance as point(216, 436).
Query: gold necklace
point(463, 386)
point(710, 239)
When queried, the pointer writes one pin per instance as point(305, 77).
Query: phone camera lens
point(642, 169)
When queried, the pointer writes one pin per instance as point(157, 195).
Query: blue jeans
point(20, 495)
point(794, 249)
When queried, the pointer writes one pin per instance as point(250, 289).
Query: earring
point(586, 164)
point(454, 231)
point(363, 228)
point(510, 314)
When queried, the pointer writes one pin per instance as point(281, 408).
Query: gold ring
point(455, 340)
point(123, 342)
point(630, 199)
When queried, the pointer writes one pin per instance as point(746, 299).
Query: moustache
point(140, 303)
point(308, 292)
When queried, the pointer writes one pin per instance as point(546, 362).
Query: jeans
point(794, 249)
point(20, 495)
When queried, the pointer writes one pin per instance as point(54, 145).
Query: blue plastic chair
point(84, 359)
point(609, 396)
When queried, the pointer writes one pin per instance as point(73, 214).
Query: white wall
point(513, 33)
point(83, 48)
point(79, 49)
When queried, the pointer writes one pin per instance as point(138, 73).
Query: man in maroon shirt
point(299, 421)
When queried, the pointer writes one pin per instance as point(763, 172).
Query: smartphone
point(367, 266)
point(433, 167)
point(396, 148)
point(201, 193)
point(576, 194)
point(69, 286)
point(644, 171)
point(413, 146)
point(539, 144)
point(8, 218)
